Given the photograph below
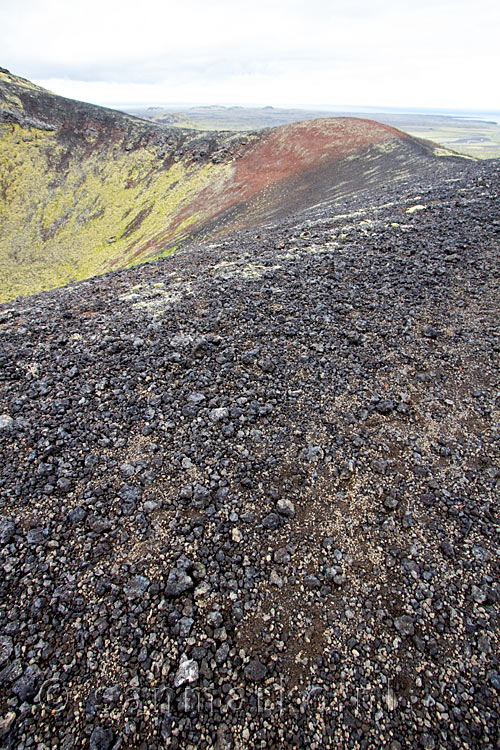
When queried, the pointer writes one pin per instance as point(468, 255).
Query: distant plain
point(475, 137)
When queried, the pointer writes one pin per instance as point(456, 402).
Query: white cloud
point(291, 52)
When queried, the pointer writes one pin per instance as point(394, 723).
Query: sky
point(310, 53)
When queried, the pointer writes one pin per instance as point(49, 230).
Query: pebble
point(217, 415)
point(478, 594)
point(25, 687)
point(275, 579)
point(185, 625)
point(101, 739)
point(282, 556)
point(255, 670)
point(285, 508)
point(312, 453)
point(271, 521)
point(404, 625)
point(6, 421)
point(136, 587)
point(7, 530)
point(6, 648)
point(236, 535)
point(178, 582)
point(187, 673)
point(6, 723)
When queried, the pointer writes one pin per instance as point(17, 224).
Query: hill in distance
point(85, 190)
point(474, 137)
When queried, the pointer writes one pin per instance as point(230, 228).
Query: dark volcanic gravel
point(249, 493)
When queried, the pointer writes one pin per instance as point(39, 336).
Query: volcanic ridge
point(249, 491)
point(84, 189)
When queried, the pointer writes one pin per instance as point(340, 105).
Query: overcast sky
point(424, 53)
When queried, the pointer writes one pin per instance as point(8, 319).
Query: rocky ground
point(249, 492)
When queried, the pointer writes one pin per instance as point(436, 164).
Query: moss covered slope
point(92, 191)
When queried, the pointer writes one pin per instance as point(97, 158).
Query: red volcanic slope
point(282, 154)
point(289, 150)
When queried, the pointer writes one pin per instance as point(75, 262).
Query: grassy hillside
point(70, 213)
point(90, 191)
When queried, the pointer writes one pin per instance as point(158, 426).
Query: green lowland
point(85, 190)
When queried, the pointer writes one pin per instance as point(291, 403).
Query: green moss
point(61, 224)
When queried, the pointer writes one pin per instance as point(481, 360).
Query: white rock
point(216, 415)
point(391, 699)
point(202, 590)
point(236, 535)
point(285, 508)
point(187, 673)
point(5, 421)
